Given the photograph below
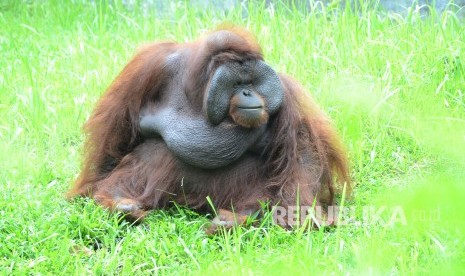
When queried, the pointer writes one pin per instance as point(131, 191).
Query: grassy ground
point(393, 85)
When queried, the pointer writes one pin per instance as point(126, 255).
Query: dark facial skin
point(247, 108)
point(240, 98)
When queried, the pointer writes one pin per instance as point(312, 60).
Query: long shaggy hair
point(301, 162)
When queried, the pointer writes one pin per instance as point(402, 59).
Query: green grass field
point(393, 85)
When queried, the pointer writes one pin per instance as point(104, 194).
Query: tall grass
point(393, 85)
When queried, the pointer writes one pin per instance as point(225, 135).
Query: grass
point(393, 85)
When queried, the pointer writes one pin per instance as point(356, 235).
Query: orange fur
point(301, 161)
